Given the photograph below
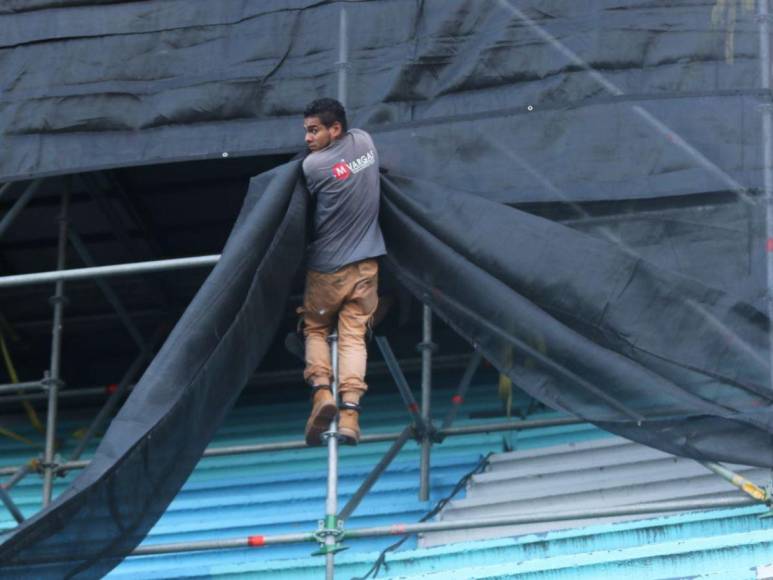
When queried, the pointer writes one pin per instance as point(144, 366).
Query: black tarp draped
point(610, 326)
point(623, 282)
point(159, 434)
point(88, 84)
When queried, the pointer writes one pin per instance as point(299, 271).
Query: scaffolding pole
point(107, 290)
point(54, 379)
point(123, 386)
point(20, 474)
point(748, 487)
point(11, 215)
point(330, 531)
point(767, 162)
point(402, 384)
point(377, 471)
point(464, 524)
point(105, 271)
point(16, 387)
point(461, 391)
point(426, 346)
point(65, 394)
point(10, 505)
point(375, 368)
point(343, 57)
point(377, 438)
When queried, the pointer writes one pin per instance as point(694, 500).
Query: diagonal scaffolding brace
point(402, 384)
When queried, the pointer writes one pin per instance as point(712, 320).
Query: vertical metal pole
point(331, 503)
point(767, 161)
point(426, 397)
point(58, 301)
point(343, 52)
point(11, 215)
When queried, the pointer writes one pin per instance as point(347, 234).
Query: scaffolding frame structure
point(331, 531)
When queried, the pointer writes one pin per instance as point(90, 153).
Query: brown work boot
point(349, 423)
point(323, 410)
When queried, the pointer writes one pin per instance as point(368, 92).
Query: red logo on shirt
point(341, 171)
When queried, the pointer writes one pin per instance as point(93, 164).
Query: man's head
point(324, 121)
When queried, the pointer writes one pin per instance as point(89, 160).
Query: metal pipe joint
point(331, 527)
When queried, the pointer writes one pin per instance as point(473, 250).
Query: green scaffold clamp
point(330, 526)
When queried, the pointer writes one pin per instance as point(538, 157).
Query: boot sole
point(320, 423)
point(348, 436)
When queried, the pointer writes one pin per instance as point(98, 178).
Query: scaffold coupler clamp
point(56, 299)
point(427, 429)
point(36, 464)
point(55, 465)
point(424, 345)
point(331, 526)
point(328, 434)
point(48, 381)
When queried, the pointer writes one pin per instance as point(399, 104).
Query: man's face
point(317, 135)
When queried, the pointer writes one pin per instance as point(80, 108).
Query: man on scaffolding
point(342, 174)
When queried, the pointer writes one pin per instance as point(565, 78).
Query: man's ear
point(336, 130)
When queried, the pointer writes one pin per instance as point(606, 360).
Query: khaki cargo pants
point(350, 296)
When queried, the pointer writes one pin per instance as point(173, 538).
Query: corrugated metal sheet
point(592, 474)
point(271, 493)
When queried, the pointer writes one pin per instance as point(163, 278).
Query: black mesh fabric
point(628, 99)
point(159, 434)
point(588, 326)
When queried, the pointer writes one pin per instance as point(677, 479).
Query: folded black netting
point(90, 84)
point(161, 431)
point(583, 324)
point(588, 326)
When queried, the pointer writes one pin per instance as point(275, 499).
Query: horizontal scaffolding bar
point(375, 368)
point(65, 393)
point(535, 518)
point(248, 542)
point(105, 271)
point(16, 387)
point(376, 438)
point(403, 529)
point(20, 474)
point(510, 426)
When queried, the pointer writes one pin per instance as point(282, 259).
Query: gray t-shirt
point(343, 177)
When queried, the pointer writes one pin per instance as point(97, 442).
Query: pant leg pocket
point(365, 296)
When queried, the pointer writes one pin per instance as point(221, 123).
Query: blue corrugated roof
point(282, 492)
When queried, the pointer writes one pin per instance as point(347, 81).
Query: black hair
point(329, 111)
